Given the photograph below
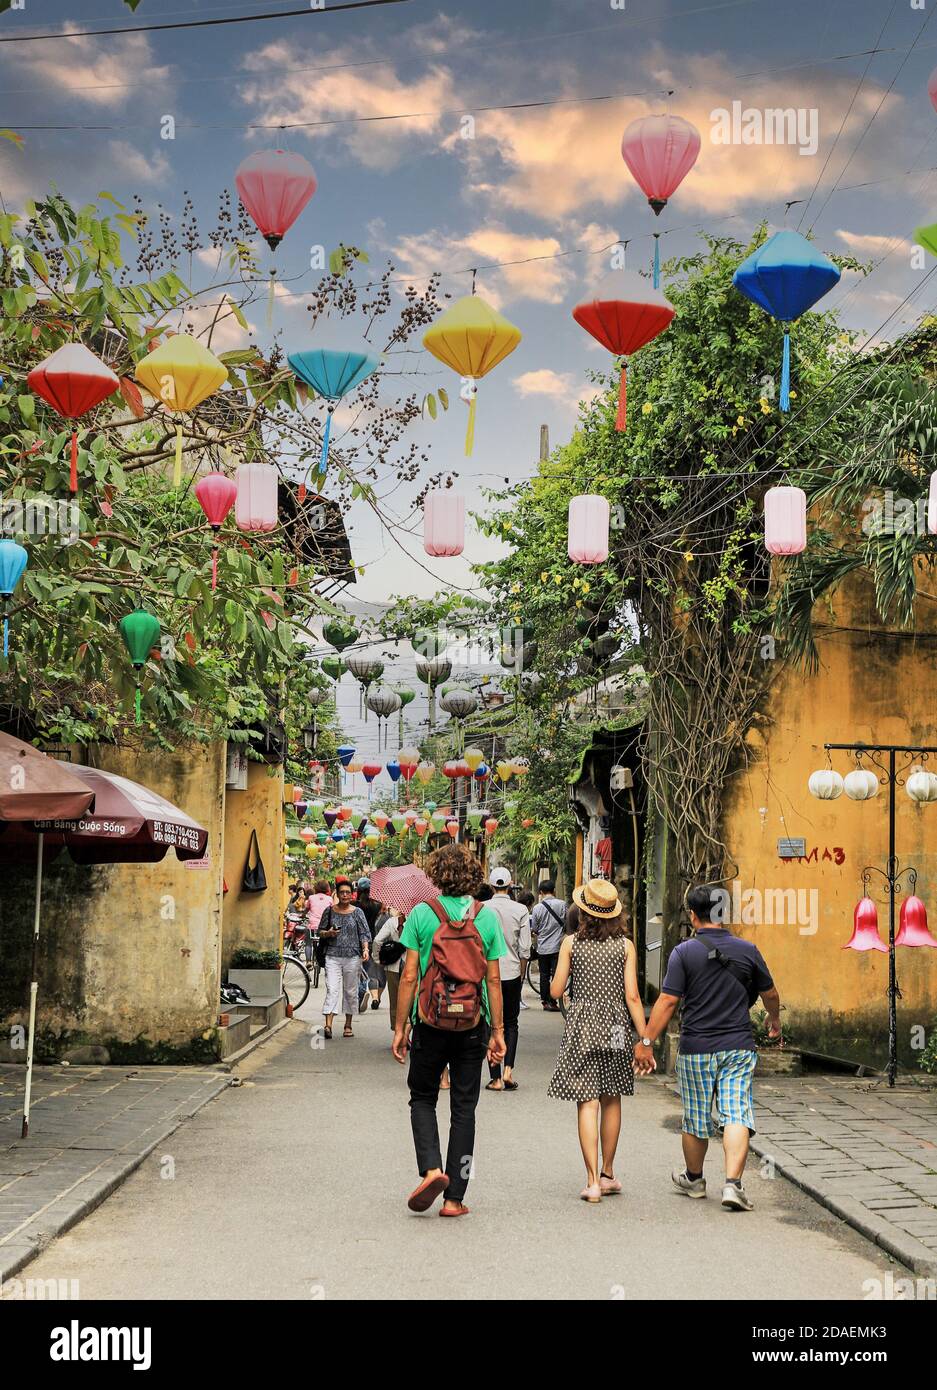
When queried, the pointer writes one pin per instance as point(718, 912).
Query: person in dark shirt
point(377, 978)
point(717, 976)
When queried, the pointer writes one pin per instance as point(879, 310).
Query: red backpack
point(451, 989)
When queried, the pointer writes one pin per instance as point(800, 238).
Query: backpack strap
point(439, 910)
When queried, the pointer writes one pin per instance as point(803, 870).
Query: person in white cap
point(515, 924)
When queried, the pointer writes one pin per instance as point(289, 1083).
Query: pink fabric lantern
point(444, 523)
point(785, 520)
point(932, 505)
point(865, 935)
point(660, 151)
point(589, 518)
point(491, 825)
point(932, 88)
point(912, 925)
point(216, 494)
point(275, 186)
point(256, 506)
point(452, 828)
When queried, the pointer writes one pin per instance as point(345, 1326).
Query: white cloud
point(89, 70)
point(136, 164)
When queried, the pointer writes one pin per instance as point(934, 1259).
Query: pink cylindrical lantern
point(932, 505)
point(589, 518)
point(444, 523)
point(865, 935)
point(256, 505)
point(785, 520)
point(216, 495)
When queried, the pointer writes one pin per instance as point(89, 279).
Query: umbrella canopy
point(130, 825)
point(34, 786)
point(402, 886)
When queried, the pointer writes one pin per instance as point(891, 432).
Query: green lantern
point(431, 806)
point(340, 635)
point(927, 237)
point(333, 666)
point(399, 822)
point(438, 823)
point(358, 819)
point(475, 816)
point(140, 631)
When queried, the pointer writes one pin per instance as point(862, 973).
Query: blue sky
point(532, 183)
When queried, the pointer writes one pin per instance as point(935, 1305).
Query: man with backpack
point(718, 978)
point(449, 1012)
point(548, 925)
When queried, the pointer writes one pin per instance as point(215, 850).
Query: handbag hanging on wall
point(255, 880)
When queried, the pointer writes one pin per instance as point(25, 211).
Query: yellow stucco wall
point(872, 686)
point(254, 919)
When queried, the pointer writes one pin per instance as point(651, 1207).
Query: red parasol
point(402, 886)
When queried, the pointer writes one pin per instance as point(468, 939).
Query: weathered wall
point(254, 919)
point(872, 686)
point(126, 950)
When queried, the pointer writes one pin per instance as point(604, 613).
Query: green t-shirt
point(420, 928)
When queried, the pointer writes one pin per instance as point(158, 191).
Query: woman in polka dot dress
point(595, 1065)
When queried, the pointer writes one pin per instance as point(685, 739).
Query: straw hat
point(598, 898)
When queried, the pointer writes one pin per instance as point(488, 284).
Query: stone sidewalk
point(867, 1153)
point(89, 1127)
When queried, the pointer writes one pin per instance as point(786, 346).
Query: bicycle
point(295, 980)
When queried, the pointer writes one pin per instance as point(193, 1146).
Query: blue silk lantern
point(393, 769)
point(332, 374)
point(785, 277)
point(346, 752)
point(13, 561)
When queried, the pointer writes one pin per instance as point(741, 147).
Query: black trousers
point(431, 1050)
point(547, 971)
point(511, 996)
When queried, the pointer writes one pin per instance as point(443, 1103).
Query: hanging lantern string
point(177, 467)
point(657, 260)
point(73, 473)
point(271, 293)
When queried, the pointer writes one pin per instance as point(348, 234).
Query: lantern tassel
point(137, 704)
point(177, 469)
point(621, 416)
point(73, 475)
point(214, 568)
point(470, 427)
point(6, 637)
point(785, 401)
point(657, 260)
point(324, 461)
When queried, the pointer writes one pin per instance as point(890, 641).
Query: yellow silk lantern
point(474, 757)
point(312, 851)
point(425, 772)
point(353, 766)
point(181, 373)
point(471, 338)
point(505, 770)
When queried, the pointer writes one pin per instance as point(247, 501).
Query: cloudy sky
point(539, 186)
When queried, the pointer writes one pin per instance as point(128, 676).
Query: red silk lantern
point(275, 186)
point(625, 316)
point(345, 813)
point(589, 519)
point(73, 381)
point(216, 495)
point(452, 827)
point(421, 826)
point(443, 523)
point(912, 925)
point(491, 825)
point(865, 935)
point(451, 770)
point(660, 151)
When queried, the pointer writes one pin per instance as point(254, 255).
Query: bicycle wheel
point(533, 975)
point(295, 981)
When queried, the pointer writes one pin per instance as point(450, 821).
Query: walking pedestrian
point(548, 923)
point(345, 929)
point(377, 979)
point(390, 951)
point(527, 899)
point(595, 1065)
point(318, 900)
point(515, 927)
point(453, 948)
point(718, 977)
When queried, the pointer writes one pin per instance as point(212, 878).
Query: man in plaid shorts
point(718, 976)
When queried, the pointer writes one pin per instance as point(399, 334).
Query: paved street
point(294, 1184)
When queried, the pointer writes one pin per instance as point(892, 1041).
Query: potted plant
point(257, 972)
point(776, 1057)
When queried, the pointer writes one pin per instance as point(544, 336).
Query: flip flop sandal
point(510, 1085)
point(347, 1033)
point(327, 1033)
point(462, 1211)
point(423, 1197)
point(493, 1086)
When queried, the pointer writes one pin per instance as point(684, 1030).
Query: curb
point(919, 1258)
point(231, 1062)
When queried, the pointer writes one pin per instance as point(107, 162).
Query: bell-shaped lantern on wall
point(921, 785)
point(443, 523)
point(785, 520)
point(13, 561)
point(912, 924)
point(861, 784)
point(589, 518)
point(256, 507)
point(865, 935)
point(825, 784)
point(216, 494)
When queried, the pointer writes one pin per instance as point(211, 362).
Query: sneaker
point(524, 1004)
point(692, 1187)
point(734, 1198)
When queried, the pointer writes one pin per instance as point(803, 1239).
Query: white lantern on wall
point(825, 784)
point(589, 518)
point(861, 784)
point(921, 785)
point(785, 520)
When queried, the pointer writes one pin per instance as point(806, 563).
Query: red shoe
point(423, 1197)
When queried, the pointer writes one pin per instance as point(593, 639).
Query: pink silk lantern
point(73, 381)
point(256, 506)
point(785, 520)
point(491, 825)
point(660, 151)
point(912, 925)
point(275, 186)
point(589, 519)
point(216, 494)
point(421, 826)
point(444, 523)
point(865, 935)
point(380, 819)
point(932, 88)
point(452, 827)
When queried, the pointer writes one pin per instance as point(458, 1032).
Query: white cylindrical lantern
point(785, 520)
point(255, 508)
point(922, 785)
point(444, 523)
point(588, 529)
point(860, 784)
point(825, 784)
